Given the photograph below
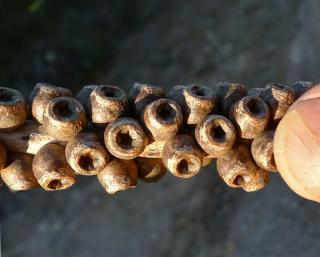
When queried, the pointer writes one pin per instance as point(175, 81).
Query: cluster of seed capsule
point(53, 137)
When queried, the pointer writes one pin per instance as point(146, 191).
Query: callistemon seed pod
point(163, 119)
point(3, 156)
point(262, 150)
point(150, 169)
point(64, 117)
point(29, 138)
point(227, 93)
point(125, 138)
point(195, 101)
point(118, 175)
point(216, 135)
point(300, 87)
point(86, 154)
point(18, 174)
point(107, 103)
point(153, 149)
point(182, 156)
point(51, 168)
point(238, 169)
point(13, 111)
point(250, 115)
point(41, 95)
point(83, 96)
point(279, 98)
point(143, 94)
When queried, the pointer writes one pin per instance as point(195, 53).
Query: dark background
point(74, 43)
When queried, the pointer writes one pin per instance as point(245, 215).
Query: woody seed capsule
point(227, 94)
point(83, 96)
point(107, 103)
point(216, 135)
point(150, 169)
point(301, 87)
point(125, 138)
point(250, 115)
point(86, 154)
point(262, 150)
point(118, 175)
point(153, 149)
point(51, 168)
point(196, 101)
point(41, 95)
point(163, 119)
point(3, 156)
point(12, 109)
point(238, 170)
point(279, 98)
point(64, 117)
point(143, 94)
point(18, 174)
point(182, 156)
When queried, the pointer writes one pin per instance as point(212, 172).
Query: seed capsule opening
point(63, 109)
point(186, 167)
point(6, 95)
point(55, 184)
point(112, 92)
point(238, 181)
point(218, 134)
point(256, 107)
point(166, 112)
point(198, 90)
point(124, 140)
point(89, 162)
point(272, 161)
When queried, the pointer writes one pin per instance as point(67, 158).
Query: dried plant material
point(150, 169)
point(153, 149)
point(301, 87)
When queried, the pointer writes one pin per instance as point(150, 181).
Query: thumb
point(297, 146)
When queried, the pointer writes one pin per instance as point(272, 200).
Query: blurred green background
point(74, 43)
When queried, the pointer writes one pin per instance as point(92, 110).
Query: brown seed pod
point(300, 87)
point(262, 150)
point(279, 98)
point(216, 135)
point(18, 174)
point(227, 94)
point(238, 169)
point(250, 115)
point(13, 111)
point(150, 169)
point(27, 139)
point(107, 103)
point(41, 95)
point(3, 156)
point(83, 96)
point(51, 168)
point(86, 154)
point(195, 101)
point(125, 138)
point(118, 175)
point(143, 94)
point(163, 119)
point(182, 156)
point(64, 117)
point(153, 149)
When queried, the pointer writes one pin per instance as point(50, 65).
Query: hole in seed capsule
point(272, 161)
point(166, 112)
point(218, 134)
point(238, 180)
point(88, 162)
point(6, 95)
point(63, 108)
point(185, 167)
point(111, 91)
point(256, 107)
point(199, 91)
point(55, 184)
point(124, 140)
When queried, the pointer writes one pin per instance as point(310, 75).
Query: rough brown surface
point(150, 169)
point(18, 174)
point(51, 168)
point(86, 153)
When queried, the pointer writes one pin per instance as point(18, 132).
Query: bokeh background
point(118, 42)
